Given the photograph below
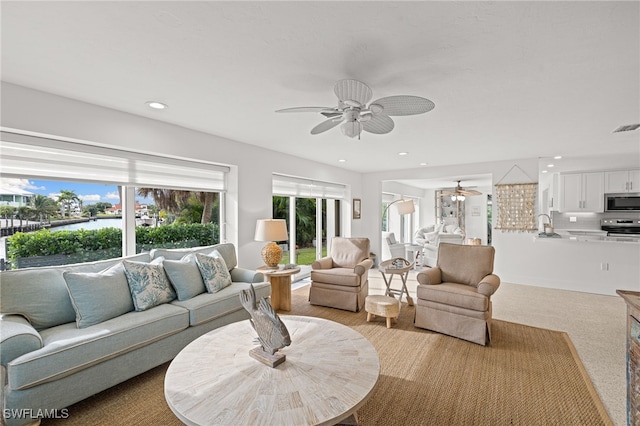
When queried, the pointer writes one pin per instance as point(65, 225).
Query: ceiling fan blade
point(307, 109)
point(331, 114)
point(353, 90)
point(378, 124)
point(404, 105)
point(325, 125)
point(469, 192)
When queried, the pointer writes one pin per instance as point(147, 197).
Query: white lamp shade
point(271, 230)
point(351, 128)
point(405, 207)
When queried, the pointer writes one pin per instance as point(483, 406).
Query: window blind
point(289, 186)
point(23, 155)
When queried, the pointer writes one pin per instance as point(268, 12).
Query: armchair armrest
point(246, 275)
point(489, 285)
point(17, 337)
point(324, 263)
point(430, 276)
point(363, 266)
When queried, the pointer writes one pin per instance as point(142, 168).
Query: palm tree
point(174, 200)
point(66, 198)
point(43, 205)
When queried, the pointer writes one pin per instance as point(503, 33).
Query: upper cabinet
point(622, 181)
point(582, 192)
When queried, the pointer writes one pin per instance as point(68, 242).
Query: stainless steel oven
point(627, 202)
point(621, 227)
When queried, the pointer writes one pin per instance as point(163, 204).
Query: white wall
point(249, 196)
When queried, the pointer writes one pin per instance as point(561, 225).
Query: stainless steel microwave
point(627, 202)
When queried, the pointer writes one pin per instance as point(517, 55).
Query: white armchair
point(390, 247)
point(430, 238)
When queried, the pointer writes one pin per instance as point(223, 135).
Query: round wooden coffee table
point(329, 373)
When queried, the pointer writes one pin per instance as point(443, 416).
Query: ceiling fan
point(356, 113)
point(459, 193)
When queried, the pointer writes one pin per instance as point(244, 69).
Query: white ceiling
point(509, 79)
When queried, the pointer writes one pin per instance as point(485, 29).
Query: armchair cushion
point(348, 252)
point(459, 264)
point(453, 294)
point(339, 276)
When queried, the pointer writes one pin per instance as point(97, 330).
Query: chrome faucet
point(543, 225)
point(548, 217)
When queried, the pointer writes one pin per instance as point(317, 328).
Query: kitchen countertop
point(586, 235)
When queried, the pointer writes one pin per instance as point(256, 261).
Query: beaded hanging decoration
point(516, 206)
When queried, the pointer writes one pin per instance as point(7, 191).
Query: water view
point(94, 224)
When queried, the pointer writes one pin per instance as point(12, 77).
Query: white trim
point(289, 186)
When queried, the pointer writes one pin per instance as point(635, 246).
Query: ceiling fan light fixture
point(351, 128)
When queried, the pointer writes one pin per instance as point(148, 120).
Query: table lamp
point(271, 230)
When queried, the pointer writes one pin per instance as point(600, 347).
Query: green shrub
point(82, 245)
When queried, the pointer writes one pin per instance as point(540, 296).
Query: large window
point(113, 202)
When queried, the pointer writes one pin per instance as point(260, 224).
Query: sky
point(89, 193)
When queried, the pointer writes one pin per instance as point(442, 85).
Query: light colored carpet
point(529, 376)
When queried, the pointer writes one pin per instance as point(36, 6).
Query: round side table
point(280, 280)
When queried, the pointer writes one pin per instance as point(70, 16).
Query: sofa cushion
point(41, 295)
point(98, 297)
point(214, 271)
point(148, 283)
point(185, 277)
point(208, 306)
point(68, 349)
point(227, 250)
point(338, 276)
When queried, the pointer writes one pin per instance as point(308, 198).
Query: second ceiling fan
point(356, 113)
point(459, 193)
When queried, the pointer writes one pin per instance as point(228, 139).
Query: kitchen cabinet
point(582, 192)
point(622, 181)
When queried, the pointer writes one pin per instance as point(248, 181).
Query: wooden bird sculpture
point(272, 333)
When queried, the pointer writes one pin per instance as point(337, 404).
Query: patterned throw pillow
point(214, 271)
point(148, 283)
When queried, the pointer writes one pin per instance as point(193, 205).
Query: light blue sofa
point(48, 363)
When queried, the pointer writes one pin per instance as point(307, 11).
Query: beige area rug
point(528, 376)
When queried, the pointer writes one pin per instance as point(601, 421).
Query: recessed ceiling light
point(544, 171)
point(550, 165)
point(423, 164)
point(402, 153)
point(557, 157)
point(156, 105)
point(342, 161)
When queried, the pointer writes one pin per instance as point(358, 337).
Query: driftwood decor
point(272, 333)
point(516, 206)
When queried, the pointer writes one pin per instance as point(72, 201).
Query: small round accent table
point(382, 306)
point(280, 280)
point(396, 266)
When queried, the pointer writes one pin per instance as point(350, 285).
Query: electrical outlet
point(573, 219)
point(604, 266)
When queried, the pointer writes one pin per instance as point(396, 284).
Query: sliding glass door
point(315, 222)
